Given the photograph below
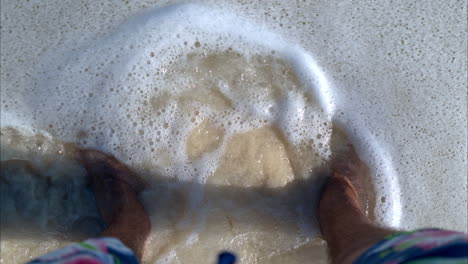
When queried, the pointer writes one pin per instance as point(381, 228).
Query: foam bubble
point(141, 91)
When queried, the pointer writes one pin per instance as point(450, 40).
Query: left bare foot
point(111, 182)
point(116, 189)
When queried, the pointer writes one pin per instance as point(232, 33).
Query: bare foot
point(116, 190)
point(347, 164)
point(344, 205)
point(110, 180)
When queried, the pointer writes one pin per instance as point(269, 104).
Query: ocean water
point(227, 110)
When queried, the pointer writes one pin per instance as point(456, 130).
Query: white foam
point(86, 78)
point(101, 88)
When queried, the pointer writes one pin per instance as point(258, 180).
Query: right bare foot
point(347, 164)
point(345, 191)
point(344, 204)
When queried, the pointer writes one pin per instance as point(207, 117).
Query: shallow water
point(185, 93)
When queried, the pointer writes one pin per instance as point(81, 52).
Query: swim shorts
point(428, 246)
point(92, 251)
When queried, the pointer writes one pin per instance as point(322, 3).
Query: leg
point(116, 190)
point(345, 226)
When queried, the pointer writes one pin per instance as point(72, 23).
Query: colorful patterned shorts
point(428, 246)
point(92, 251)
